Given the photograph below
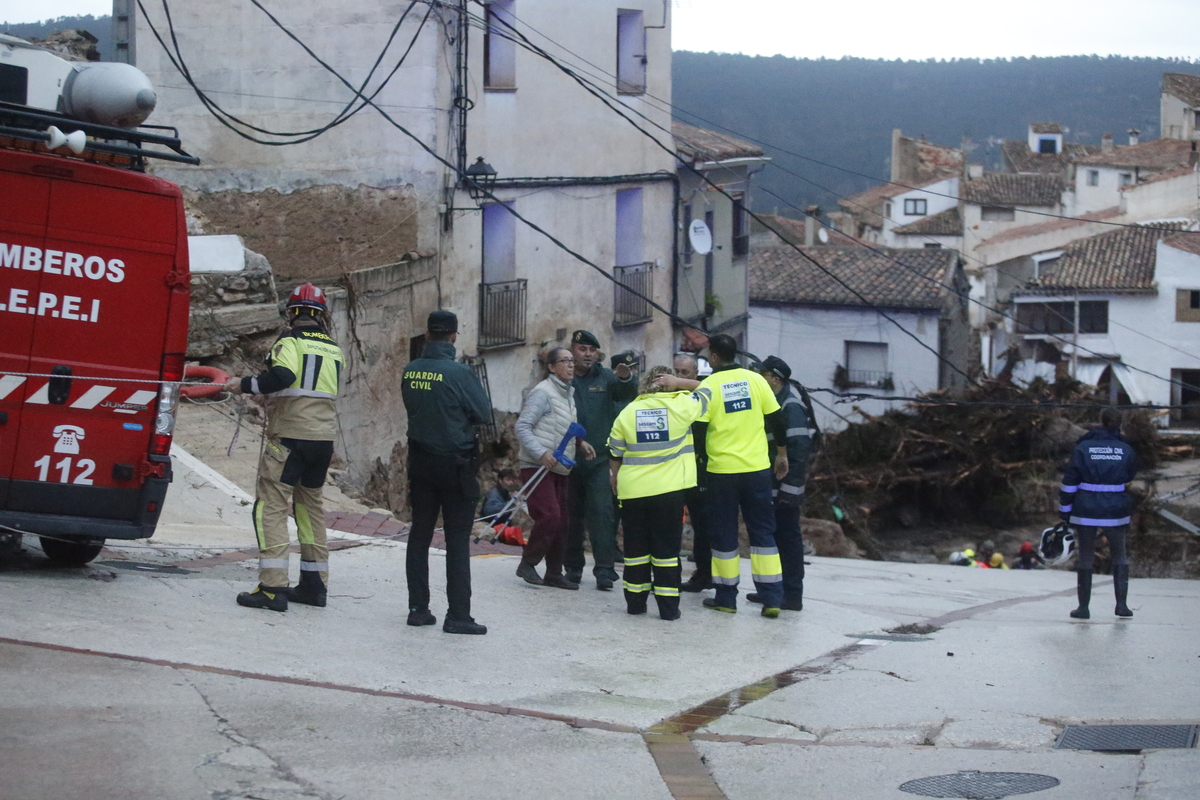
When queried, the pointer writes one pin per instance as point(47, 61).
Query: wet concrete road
point(125, 682)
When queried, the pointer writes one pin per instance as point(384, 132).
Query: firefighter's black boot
point(668, 608)
point(310, 591)
point(1083, 588)
point(1121, 588)
point(272, 598)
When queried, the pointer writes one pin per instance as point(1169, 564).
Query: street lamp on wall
point(480, 179)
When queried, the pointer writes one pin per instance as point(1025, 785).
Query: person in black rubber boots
point(599, 395)
point(789, 492)
point(445, 401)
point(1095, 502)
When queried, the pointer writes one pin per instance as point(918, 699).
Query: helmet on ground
point(307, 296)
point(1057, 544)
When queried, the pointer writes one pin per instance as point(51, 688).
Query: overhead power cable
point(602, 96)
point(670, 106)
point(1063, 317)
point(524, 42)
point(231, 121)
point(460, 173)
point(529, 223)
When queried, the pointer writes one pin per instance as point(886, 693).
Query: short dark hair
point(438, 336)
point(1111, 418)
point(723, 348)
point(507, 473)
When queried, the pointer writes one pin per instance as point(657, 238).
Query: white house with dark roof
point(833, 338)
point(943, 229)
point(1044, 152)
point(1100, 178)
point(924, 183)
point(711, 289)
point(1109, 309)
point(997, 201)
point(1179, 110)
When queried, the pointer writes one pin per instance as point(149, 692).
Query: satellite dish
point(700, 237)
point(823, 235)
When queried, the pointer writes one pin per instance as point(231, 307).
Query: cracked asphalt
point(124, 682)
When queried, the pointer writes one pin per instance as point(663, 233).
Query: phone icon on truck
point(69, 437)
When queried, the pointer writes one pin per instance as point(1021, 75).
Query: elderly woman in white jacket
point(547, 413)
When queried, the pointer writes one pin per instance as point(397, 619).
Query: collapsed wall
point(314, 234)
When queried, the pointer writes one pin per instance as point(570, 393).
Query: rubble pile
point(992, 463)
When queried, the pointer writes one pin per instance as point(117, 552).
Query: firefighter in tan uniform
point(302, 377)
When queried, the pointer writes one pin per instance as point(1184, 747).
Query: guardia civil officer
point(652, 467)
point(600, 393)
point(1095, 502)
point(301, 380)
point(741, 409)
point(444, 401)
point(788, 493)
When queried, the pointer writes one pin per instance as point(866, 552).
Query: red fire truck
point(94, 292)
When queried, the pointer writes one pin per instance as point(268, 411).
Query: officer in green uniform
point(444, 401)
point(303, 371)
point(599, 395)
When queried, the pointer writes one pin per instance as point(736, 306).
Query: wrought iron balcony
point(629, 308)
point(502, 314)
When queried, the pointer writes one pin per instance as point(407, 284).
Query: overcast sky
point(880, 28)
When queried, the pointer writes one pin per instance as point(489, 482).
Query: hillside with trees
point(842, 111)
point(100, 27)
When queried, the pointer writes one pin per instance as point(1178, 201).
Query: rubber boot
point(310, 591)
point(1121, 588)
point(1083, 588)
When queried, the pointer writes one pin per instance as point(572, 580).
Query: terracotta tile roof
point(944, 223)
point(1156, 154)
point(872, 199)
point(1050, 226)
point(1021, 159)
point(791, 228)
point(1118, 261)
point(699, 144)
point(782, 275)
point(1045, 127)
point(1188, 242)
point(1185, 87)
point(1155, 177)
point(1008, 189)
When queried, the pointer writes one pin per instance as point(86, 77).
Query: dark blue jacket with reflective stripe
point(1093, 487)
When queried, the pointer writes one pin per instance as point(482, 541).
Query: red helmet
point(307, 296)
point(1026, 547)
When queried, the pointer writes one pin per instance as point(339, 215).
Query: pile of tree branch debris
point(993, 459)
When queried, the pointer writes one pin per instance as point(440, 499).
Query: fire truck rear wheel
point(77, 552)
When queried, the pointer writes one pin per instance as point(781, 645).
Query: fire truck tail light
point(168, 404)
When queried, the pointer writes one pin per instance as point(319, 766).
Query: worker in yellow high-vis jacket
point(742, 408)
point(303, 372)
point(653, 464)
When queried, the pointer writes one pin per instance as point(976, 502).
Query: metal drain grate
point(977, 785)
point(1127, 737)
